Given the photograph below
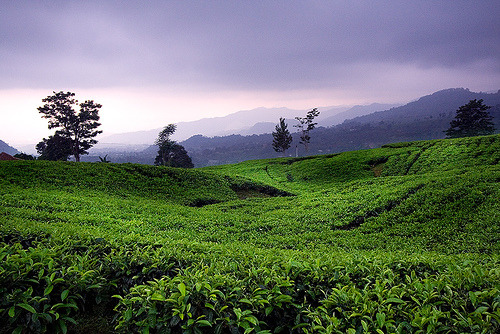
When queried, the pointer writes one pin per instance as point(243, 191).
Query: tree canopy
point(472, 119)
point(79, 127)
point(169, 152)
point(282, 139)
point(54, 148)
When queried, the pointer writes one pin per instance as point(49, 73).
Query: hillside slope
point(403, 238)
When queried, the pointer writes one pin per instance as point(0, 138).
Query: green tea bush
point(402, 239)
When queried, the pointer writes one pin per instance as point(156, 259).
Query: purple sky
point(151, 63)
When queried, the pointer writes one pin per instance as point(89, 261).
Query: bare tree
point(305, 125)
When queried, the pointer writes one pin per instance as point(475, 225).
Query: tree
point(54, 148)
point(79, 127)
point(471, 119)
point(24, 156)
point(169, 152)
point(282, 139)
point(305, 125)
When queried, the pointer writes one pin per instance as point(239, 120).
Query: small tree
point(305, 125)
point(471, 119)
point(282, 139)
point(169, 152)
point(24, 156)
point(79, 127)
point(54, 148)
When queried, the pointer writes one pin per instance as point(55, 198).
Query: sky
point(151, 63)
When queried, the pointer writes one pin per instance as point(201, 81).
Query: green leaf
point(204, 323)
point(481, 309)
point(63, 326)
point(380, 319)
point(12, 311)
point(48, 290)
point(159, 297)
point(182, 288)
point(395, 300)
point(27, 307)
point(64, 294)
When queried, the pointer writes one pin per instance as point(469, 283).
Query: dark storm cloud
point(242, 45)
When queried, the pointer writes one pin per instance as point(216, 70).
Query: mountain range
point(245, 122)
point(247, 135)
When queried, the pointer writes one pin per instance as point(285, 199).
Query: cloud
point(275, 45)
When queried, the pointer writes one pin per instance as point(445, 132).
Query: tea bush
point(401, 239)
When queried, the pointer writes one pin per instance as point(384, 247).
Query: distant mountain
point(245, 122)
point(4, 147)
point(355, 111)
point(425, 118)
point(439, 105)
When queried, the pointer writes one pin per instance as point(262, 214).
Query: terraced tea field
point(400, 239)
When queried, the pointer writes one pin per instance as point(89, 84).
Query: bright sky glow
point(158, 62)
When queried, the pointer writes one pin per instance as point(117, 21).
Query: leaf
point(481, 309)
point(204, 323)
point(182, 288)
point(63, 326)
point(12, 311)
point(380, 319)
point(64, 294)
point(27, 307)
point(395, 300)
point(159, 297)
point(73, 321)
point(48, 290)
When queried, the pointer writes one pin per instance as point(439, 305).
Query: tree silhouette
point(54, 148)
point(305, 125)
point(79, 127)
point(169, 152)
point(282, 138)
point(471, 119)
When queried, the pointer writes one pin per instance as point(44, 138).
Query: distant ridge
point(425, 118)
point(4, 147)
point(443, 103)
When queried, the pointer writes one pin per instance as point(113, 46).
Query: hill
point(402, 238)
point(4, 147)
point(424, 119)
point(245, 122)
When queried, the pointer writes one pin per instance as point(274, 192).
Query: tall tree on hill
point(169, 152)
point(282, 139)
point(471, 119)
point(305, 125)
point(80, 128)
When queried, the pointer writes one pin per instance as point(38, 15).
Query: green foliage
point(170, 153)
point(293, 245)
point(77, 127)
point(282, 138)
point(55, 148)
point(472, 119)
point(24, 156)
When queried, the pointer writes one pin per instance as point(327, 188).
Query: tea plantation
point(400, 239)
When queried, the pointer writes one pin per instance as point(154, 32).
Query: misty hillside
point(4, 147)
point(426, 118)
point(245, 122)
point(441, 105)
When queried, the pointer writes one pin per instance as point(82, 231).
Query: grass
point(402, 239)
